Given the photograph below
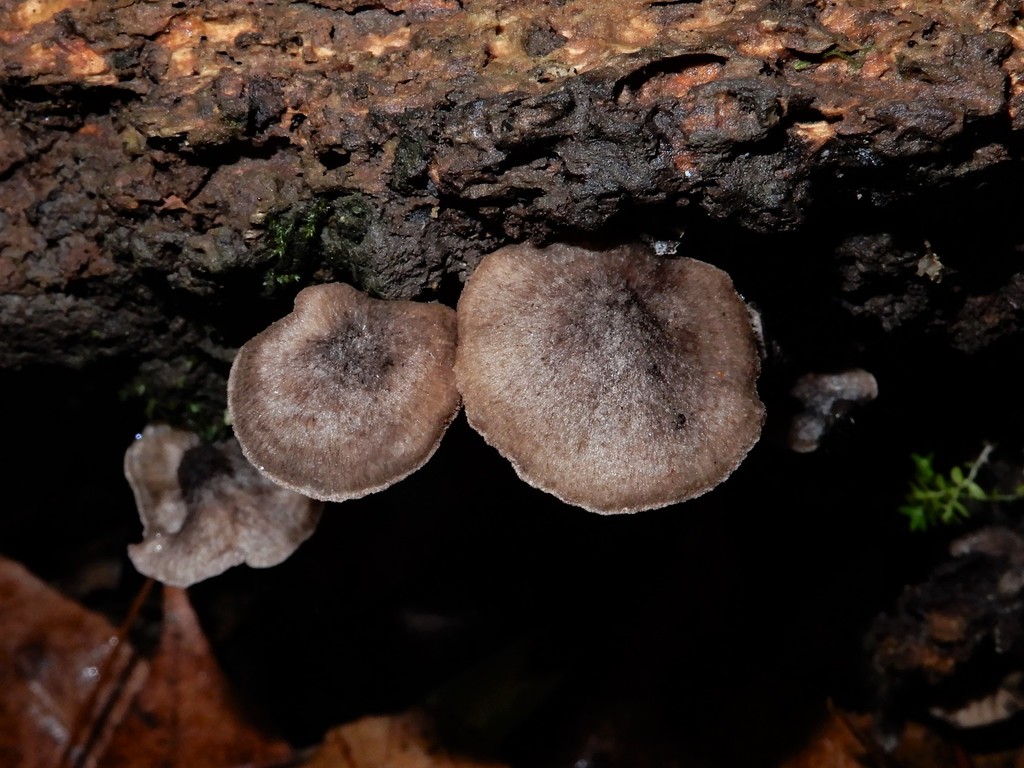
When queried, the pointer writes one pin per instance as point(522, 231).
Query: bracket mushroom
point(204, 509)
point(347, 394)
point(616, 380)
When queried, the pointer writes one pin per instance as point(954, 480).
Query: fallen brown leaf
point(65, 677)
point(187, 715)
point(399, 741)
point(836, 744)
point(846, 740)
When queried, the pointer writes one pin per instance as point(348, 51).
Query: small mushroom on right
point(617, 380)
point(825, 398)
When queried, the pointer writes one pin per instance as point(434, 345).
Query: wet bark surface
point(167, 164)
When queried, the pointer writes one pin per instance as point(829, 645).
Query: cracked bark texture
point(172, 172)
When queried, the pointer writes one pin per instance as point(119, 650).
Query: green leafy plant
point(936, 498)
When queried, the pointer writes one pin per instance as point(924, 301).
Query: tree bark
point(167, 166)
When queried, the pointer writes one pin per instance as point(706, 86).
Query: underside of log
point(172, 172)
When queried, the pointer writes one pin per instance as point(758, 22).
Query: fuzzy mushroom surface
point(347, 394)
point(204, 509)
point(616, 380)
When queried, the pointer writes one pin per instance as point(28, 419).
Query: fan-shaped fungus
point(616, 380)
point(347, 394)
point(204, 509)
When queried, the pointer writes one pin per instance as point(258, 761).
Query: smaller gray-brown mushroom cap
point(204, 509)
point(826, 397)
point(616, 380)
point(347, 394)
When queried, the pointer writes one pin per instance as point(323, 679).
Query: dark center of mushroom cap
point(614, 379)
point(199, 467)
point(612, 318)
point(355, 353)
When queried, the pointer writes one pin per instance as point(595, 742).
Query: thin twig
point(89, 722)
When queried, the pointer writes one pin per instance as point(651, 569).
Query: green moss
point(184, 393)
point(344, 241)
point(293, 240)
point(854, 58)
point(410, 163)
point(320, 234)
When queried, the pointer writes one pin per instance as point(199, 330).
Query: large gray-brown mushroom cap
point(616, 380)
point(347, 394)
point(204, 509)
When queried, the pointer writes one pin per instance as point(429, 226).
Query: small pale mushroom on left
point(204, 509)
